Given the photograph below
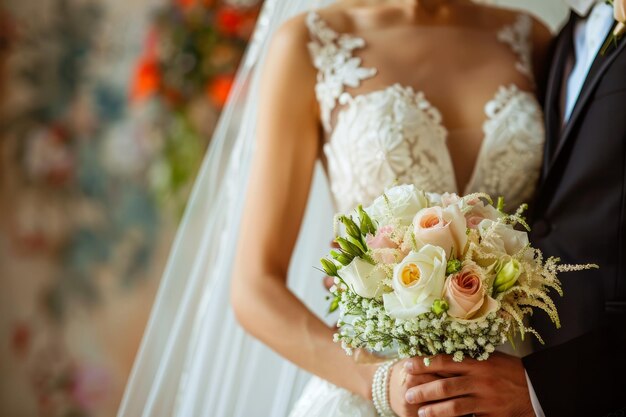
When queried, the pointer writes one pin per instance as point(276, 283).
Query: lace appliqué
point(383, 137)
point(332, 55)
point(517, 36)
point(510, 159)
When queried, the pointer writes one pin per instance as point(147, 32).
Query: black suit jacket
point(579, 215)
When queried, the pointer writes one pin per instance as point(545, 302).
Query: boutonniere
point(619, 9)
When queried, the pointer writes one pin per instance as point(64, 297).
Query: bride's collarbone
point(362, 18)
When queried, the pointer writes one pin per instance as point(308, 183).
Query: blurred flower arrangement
point(185, 74)
point(82, 165)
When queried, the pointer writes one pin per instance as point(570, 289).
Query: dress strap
point(518, 36)
point(332, 55)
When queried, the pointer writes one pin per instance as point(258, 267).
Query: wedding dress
point(394, 134)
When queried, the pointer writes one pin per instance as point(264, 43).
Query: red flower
point(219, 89)
point(229, 21)
point(20, 339)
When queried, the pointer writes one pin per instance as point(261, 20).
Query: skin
point(496, 387)
point(288, 142)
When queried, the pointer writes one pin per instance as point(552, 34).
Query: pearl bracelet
point(380, 390)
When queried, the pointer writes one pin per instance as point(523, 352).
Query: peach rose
point(620, 10)
point(441, 227)
point(465, 295)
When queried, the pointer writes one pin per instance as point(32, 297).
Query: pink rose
point(465, 295)
point(384, 249)
point(443, 227)
point(382, 239)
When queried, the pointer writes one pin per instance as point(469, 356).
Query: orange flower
point(219, 89)
point(147, 77)
point(146, 80)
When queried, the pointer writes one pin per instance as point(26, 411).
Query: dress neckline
point(346, 43)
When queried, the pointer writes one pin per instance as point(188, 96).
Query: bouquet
point(422, 274)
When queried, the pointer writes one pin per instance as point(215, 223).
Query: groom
point(579, 214)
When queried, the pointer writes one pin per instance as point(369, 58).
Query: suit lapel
point(599, 67)
point(564, 47)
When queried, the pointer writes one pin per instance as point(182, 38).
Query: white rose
point(363, 278)
point(401, 203)
point(503, 237)
point(417, 282)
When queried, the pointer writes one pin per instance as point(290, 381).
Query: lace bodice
point(394, 135)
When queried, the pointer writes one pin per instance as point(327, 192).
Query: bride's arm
point(287, 148)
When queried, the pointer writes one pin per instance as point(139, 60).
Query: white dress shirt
point(589, 36)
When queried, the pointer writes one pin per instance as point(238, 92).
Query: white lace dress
point(394, 135)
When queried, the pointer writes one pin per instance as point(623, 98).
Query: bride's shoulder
point(502, 17)
point(297, 29)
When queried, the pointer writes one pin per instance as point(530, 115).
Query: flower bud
point(439, 307)
point(454, 266)
point(349, 248)
point(357, 243)
point(367, 225)
point(329, 267)
point(342, 258)
point(507, 276)
point(351, 228)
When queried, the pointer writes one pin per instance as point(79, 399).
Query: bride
point(436, 93)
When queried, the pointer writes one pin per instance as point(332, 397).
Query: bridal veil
point(194, 359)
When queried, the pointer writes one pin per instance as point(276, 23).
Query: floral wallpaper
point(106, 108)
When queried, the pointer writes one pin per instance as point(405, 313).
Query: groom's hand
point(495, 387)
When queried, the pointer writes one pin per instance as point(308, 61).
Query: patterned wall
point(106, 108)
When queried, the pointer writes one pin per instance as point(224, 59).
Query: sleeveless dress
point(395, 136)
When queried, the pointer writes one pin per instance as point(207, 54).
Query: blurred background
point(106, 108)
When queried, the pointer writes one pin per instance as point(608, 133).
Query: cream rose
point(503, 237)
point(446, 228)
point(417, 282)
point(444, 200)
point(620, 10)
point(363, 278)
point(479, 212)
point(465, 295)
point(401, 203)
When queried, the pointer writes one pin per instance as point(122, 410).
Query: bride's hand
point(399, 383)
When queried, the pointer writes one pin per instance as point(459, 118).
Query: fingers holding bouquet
point(496, 387)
